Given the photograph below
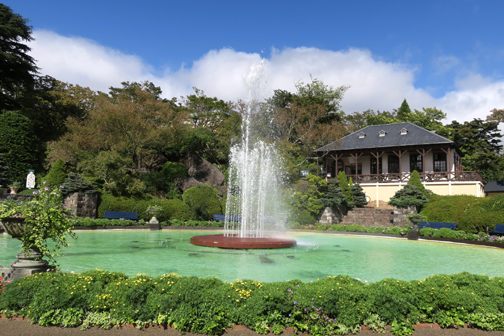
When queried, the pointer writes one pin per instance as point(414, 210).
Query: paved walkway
point(24, 328)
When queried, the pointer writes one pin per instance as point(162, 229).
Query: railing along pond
point(424, 176)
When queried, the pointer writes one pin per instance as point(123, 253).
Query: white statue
point(30, 181)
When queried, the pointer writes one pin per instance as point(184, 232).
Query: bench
point(232, 218)
point(120, 215)
point(437, 225)
point(499, 230)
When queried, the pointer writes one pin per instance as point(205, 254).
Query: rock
point(203, 171)
point(185, 183)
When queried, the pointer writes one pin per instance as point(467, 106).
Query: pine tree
point(415, 180)
point(76, 183)
point(343, 184)
point(350, 182)
point(409, 195)
point(56, 175)
point(359, 195)
point(404, 111)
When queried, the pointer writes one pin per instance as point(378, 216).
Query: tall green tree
point(404, 112)
point(18, 144)
point(17, 68)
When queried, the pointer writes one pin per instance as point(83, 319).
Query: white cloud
point(373, 84)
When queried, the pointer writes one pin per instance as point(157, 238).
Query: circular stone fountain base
point(235, 242)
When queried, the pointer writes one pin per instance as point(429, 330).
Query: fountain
point(254, 206)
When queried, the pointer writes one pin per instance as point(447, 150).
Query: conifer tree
point(404, 111)
point(359, 195)
point(56, 175)
point(415, 180)
point(343, 184)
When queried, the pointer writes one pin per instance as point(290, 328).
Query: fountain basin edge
point(235, 242)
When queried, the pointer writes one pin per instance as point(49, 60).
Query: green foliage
point(359, 195)
point(18, 67)
point(4, 172)
point(171, 209)
point(18, 144)
point(304, 217)
point(327, 306)
point(332, 195)
point(57, 175)
point(415, 180)
point(472, 214)
point(306, 195)
point(409, 195)
point(203, 201)
point(45, 218)
point(113, 172)
point(76, 183)
point(173, 170)
point(343, 183)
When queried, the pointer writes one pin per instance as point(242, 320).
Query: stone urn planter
point(26, 263)
point(415, 220)
point(154, 210)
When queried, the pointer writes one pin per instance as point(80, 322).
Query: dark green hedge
point(472, 214)
point(203, 201)
point(332, 305)
point(172, 209)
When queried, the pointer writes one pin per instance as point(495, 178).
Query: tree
point(416, 181)
point(409, 196)
point(496, 115)
point(17, 68)
point(133, 123)
point(480, 144)
point(18, 144)
point(404, 111)
point(359, 195)
point(56, 175)
point(343, 183)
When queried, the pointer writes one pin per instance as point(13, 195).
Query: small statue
point(30, 180)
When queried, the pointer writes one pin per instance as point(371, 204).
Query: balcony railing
point(425, 177)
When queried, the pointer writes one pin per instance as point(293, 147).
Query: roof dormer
point(382, 133)
point(362, 135)
point(404, 131)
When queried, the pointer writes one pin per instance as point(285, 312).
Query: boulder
point(185, 183)
point(203, 171)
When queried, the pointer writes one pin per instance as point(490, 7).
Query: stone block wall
point(83, 204)
point(400, 214)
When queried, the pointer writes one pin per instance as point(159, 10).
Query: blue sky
point(448, 54)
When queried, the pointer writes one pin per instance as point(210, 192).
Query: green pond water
point(316, 256)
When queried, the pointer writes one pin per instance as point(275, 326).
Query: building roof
point(388, 135)
point(494, 186)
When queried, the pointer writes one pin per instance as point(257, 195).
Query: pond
point(317, 255)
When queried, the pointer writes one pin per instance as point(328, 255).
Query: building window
point(373, 165)
point(416, 162)
point(440, 162)
point(382, 133)
point(362, 135)
point(404, 131)
point(350, 169)
point(393, 164)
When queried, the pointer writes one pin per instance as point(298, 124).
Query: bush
point(173, 170)
point(203, 202)
point(76, 183)
point(408, 196)
point(359, 195)
point(171, 209)
point(304, 217)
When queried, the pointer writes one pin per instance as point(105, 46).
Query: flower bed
point(332, 305)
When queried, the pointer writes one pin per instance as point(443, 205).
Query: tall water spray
point(255, 174)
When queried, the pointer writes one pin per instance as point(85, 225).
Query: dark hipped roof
point(494, 186)
point(416, 135)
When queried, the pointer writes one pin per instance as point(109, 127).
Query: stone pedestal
point(82, 204)
point(413, 234)
point(154, 224)
point(26, 264)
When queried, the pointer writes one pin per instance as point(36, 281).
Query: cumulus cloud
point(374, 84)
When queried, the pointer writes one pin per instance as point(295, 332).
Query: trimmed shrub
point(203, 202)
point(171, 209)
point(18, 143)
point(359, 195)
point(409, 195)
point(56, 175)
point(343, 184)
point(304, 217)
